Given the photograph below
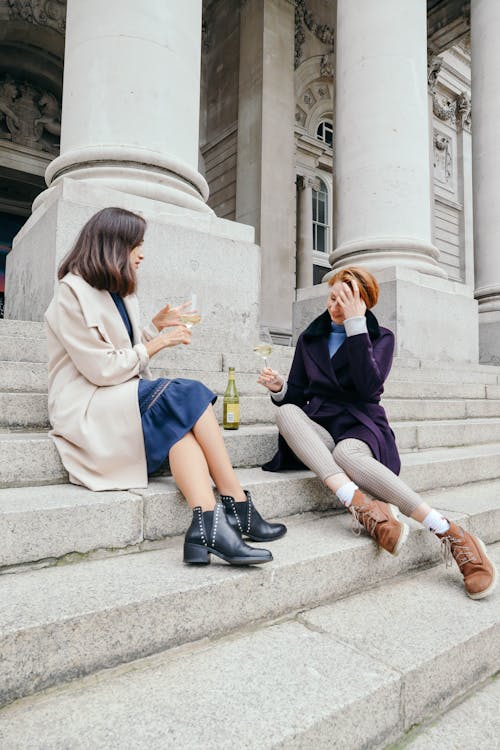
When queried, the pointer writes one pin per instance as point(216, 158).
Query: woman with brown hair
point(112, 424)
point(331, 421)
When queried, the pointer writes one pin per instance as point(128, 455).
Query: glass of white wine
point(192, 316)
point(264, 345)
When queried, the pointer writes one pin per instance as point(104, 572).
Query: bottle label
point(232, 413)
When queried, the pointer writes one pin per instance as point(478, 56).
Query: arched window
point(324, 132)
point(321, 226)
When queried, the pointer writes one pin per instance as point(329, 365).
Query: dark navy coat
point(342, 393)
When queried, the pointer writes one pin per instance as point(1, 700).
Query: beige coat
point(93, 380)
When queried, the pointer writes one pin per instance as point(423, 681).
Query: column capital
point(308, 181)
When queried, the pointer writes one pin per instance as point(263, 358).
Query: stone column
point(485, 50)
point(304, 232)
point(382, 155)
point(130, 139)
point(265, 181)
point(383, 191)
point(131, 94)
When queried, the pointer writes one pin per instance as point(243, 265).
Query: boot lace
point(454, 547)
point(362, 518)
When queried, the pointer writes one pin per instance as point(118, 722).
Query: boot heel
point(195, 554)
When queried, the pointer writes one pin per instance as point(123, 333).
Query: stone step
point(320, 678)
point(29, 411)
point(66, 621)
point(31, 458)
point(25, 377)
point(474, 722)
point(43, 524)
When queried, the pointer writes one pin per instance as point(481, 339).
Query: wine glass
point(192, 316)
point(264, 345)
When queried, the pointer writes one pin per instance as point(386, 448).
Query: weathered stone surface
point(62, 622)
point(41, 522)
point(425, 627)
point(23, 376)
point(299, 697)
point(24, 410)
point(34, 518)
point(331, 682)
point(475, 722)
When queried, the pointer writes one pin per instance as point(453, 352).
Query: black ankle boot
point(211, 534)
point(247, 521)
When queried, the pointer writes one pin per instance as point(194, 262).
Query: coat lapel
point(100, 311)
point(316, 336)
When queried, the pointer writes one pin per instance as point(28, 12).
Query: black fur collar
point(321, 325)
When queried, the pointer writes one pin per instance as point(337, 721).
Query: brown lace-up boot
point(470, 555)
point(380, 521)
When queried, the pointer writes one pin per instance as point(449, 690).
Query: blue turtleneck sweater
point(336, 338)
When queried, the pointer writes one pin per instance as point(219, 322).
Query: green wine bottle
point(231, 412)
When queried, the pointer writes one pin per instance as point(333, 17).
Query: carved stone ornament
point(50, 13)
point(434, 65)
point(305, 181)
point(464, 118)
point(304, 17)
point(300, 116)
point(326, 66)
point(443, 161)
point(444, 109)
point(28, 116)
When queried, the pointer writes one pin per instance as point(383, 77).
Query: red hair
point(367, 283)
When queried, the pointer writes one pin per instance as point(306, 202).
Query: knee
point(343, 455)
point(286, 416)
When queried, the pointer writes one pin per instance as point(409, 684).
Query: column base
point(489, 337)
point(133, 171)
point(432, 318)
point(184, 250)
point(378, 253)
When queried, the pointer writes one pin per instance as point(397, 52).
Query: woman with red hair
point(331, 421)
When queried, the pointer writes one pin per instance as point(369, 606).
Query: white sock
point(435, 522)
point(346, 493)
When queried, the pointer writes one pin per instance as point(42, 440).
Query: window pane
point(321, 239)
point(318, 273)
point(321, 209)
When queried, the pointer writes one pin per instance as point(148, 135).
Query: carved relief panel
point(443, 160)
point(29, 116)
point(51, 13)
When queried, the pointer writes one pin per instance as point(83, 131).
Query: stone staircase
point(333, 645)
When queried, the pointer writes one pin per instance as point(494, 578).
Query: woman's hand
point(169, 316)
point(271, 379)
point(350, 301)
point(180, 334)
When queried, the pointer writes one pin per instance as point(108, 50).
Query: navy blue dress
point(169, 408)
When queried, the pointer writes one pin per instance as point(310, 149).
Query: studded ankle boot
point(246, 520)
point(380, 521)
point(469, 553)
point(211, 534)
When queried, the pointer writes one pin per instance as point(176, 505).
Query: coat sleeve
point(96, 358)
point(370, 362)
point(297, 379)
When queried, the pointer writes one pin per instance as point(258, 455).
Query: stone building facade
point(340, 132)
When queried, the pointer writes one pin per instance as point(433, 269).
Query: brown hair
point(101, 254)
point(367, 283)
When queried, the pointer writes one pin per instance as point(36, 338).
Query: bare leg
point(421, 512)
point(190, 471)
point(207, 433)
